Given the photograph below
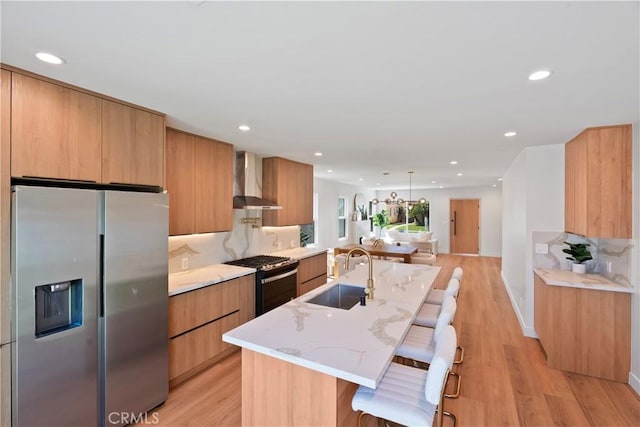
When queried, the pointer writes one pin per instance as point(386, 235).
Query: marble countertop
point(574, 280)
point(299, 253)
point(356, 345)
point(190, 280)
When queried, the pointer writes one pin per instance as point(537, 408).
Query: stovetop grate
point(260, 261)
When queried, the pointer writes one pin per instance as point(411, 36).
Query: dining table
point(384, 250)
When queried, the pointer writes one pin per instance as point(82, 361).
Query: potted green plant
point(380, 220)
point(578, 255)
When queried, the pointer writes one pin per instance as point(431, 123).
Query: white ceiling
point(376, 86)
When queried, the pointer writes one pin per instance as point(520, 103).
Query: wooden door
point(180, 182)
point(55, 131)
point(464, 229)
point(132, 145)
point(213, 186)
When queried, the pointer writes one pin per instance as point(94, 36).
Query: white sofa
point(423, 240)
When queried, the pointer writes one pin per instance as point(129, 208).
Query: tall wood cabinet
point(290, 185)
point(598, 182)
point(62, 133)
point(200, 183)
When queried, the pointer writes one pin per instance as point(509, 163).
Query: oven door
point(276, 287)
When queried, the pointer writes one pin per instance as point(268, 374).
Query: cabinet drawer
point(312, 267)
point(195, 308)
point(311, 284)
point(189, 350)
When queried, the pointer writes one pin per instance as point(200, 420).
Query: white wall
point(533, 192)
point(490, 213)
point(328, 193)
point(514, 232)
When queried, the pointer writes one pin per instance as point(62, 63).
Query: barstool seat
point(436, 296)
point(410, 396)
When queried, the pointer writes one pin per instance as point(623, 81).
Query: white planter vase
point(579, 268)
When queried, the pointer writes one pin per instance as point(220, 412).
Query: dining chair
point(411, 396)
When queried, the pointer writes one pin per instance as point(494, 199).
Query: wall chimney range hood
point(247, 192)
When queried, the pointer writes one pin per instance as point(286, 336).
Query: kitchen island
point(302, 362)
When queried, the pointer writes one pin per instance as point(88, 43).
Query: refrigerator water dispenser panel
point(58, 307)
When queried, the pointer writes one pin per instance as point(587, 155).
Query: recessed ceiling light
point(244, 128)
point(361, 179)
point(50, 58)
point(441, 186)
point(499, 179)
point(433, 182)
point(510, 133)
point(539, 75)
point(453, 162)
point(317, 154)
point(330, 170)
point(459, 173)
point(493, 185)
point(377, 183)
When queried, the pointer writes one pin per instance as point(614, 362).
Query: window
point(342, 217)
point(311, 230)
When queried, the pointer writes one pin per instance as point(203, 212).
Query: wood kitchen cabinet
point(55, 131)
point(58, 132)
point(132, 145)
point(587, 331)
point(290, 185)
point(598, 183)
point(312, 272)
point(197, 320)
point(200, 183)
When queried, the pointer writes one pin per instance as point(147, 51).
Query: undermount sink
point(339, 296)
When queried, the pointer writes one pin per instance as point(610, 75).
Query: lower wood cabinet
point(312, 272)
point(586, 331)
point(197, 320)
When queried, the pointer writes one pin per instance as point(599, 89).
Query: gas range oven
point(276, 280)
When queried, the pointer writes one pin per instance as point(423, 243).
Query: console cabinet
point(290, 185)
point(586, 331)
point(200, 183)
point(598, 183)
point(58, 132)
point(312, 272)
point(197, 320)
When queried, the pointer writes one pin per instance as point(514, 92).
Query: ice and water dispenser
point(58, 307)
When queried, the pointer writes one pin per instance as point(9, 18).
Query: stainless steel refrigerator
point(90, 305)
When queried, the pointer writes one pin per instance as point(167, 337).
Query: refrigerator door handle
point(101, 277)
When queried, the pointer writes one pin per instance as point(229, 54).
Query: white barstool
point(410, 396)
point(436, 296)
point(457, 274)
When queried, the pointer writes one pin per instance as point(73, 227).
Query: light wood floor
point(506, 381)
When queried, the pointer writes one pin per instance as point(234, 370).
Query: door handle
point(455, 222)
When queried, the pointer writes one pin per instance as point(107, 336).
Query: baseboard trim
point(526, 331)
point(634, 382)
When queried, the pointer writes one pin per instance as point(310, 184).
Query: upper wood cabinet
point(132, 145)
point(598, 183)
point(62, 133)
point(200, 184)
point(55, 131)
point(290, 185)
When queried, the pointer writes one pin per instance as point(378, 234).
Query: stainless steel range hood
point(247, 192)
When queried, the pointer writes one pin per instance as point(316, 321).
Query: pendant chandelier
point(393, 196)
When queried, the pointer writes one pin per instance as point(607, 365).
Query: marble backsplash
point(613, 253)
point(241, 242)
